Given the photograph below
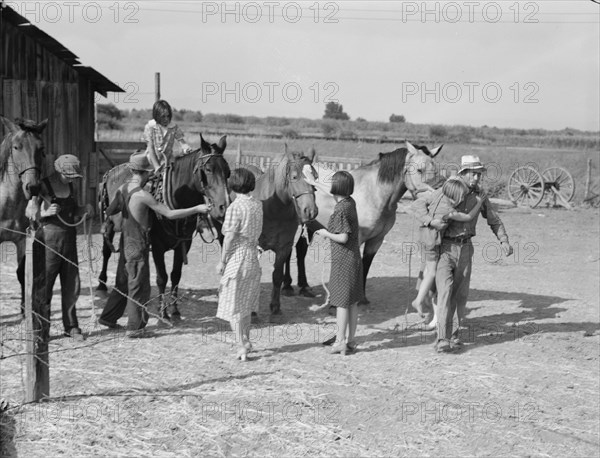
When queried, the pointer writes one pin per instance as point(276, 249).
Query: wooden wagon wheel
point(562, 181)
point(526, 186)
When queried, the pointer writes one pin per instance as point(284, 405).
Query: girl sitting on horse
point(160, 135)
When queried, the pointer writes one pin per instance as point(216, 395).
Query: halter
point(27, 169)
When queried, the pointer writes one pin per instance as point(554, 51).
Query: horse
point(21, 162)
point(194, 177)
point(378, 186)
point(287, 201)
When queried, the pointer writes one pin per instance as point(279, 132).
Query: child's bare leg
point(352, 322)
point(342, 325)
point(426, 285)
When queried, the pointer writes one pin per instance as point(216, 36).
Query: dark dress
point(345, 281)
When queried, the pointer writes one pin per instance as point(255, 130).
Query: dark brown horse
point(195, 177)
point(21, 163)
point(378, 186)
point(288, 200)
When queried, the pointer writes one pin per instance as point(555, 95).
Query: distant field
point(501, 160)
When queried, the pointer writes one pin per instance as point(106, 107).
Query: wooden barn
point(40, 78)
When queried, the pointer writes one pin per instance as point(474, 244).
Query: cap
point(68, 165)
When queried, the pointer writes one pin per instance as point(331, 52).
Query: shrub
point(193, 116)
point(438, 131)
point(329, 129)
point(397, 118)
point(290, 133)
point(108, 110)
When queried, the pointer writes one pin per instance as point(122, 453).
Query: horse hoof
point(305, 291)
point(176, 317)
point(288, 291)
point(101, 287)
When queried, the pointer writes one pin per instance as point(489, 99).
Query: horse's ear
point(436, 151)
point(311, 154)
point(285, 148)
point(203, 143)
point(411, 149)
point(41, 126)
point(222, 144)
point(11, 126)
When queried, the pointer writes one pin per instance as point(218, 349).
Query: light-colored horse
point(21, 163)
point(378, 186)
point(287, 201)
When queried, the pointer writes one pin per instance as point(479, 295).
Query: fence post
point(37, 319)
point(588, 180)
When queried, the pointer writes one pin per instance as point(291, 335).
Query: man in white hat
point(59, 214)
point(133, 271)
point(453, 274)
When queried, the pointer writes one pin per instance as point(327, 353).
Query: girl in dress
point(240, 285)
point(345, 281)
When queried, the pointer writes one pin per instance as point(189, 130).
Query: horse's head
point(214, 172)
point(22, 153)
point(421, 173)
point(291, 184)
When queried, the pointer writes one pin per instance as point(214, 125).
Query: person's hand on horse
point(438, 224)
point(204, 208)
point(32, 209)
point(507, 248)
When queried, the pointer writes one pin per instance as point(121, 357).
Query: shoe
point(329, 341)
point(351, 347)
point(136, 333)
point(108, 324)
point(305, 291)
point(242, 354)
point(456, 342)
point(339, 348)
point(75, 334)
point(443, 346)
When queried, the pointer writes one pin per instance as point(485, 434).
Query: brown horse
point(287, 201)
point(195, 177)
point(378, 186)
point(21, 162)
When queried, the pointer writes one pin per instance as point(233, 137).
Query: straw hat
point(470, 163)
point(68, 165)
point(139, 162)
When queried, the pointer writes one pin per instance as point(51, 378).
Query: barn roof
point(100, 83)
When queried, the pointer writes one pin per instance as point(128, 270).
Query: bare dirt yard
point(526, 383)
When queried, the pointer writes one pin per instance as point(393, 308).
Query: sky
point(520, 64)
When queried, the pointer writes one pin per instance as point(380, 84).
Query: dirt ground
point(526, 383)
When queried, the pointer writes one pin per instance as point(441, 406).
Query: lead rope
point(315, 307)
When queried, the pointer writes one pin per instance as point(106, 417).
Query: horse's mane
point(391, 165)
point(5, 150)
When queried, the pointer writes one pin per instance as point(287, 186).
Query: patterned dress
point(345, 281)
point(240, 284)
point(162, 144)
